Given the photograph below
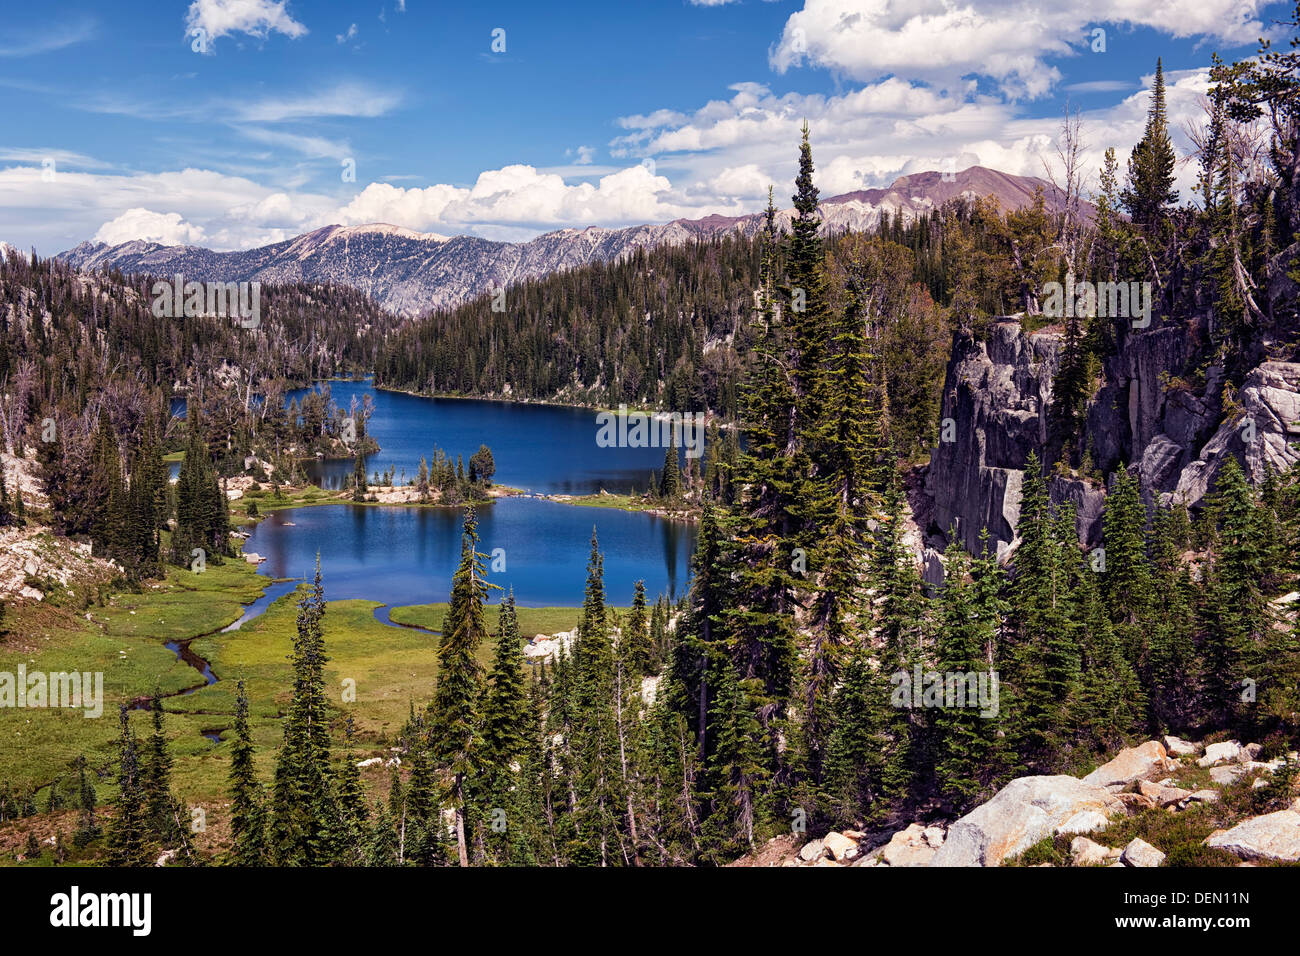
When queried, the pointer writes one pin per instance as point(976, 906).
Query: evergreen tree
point(454, 724)
point(359, 487)
point(636, 632)
point(505, 713)
point(247, 809)
point(1150, 191)
point(155, 777)
point(967, 748)
point(670, 484)
point(128, 835)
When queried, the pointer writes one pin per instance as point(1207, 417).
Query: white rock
point(1141, 853)
point(1226, 775)
point(1023, 812)
point(1142, 762)
point(812, 850)
point(839, 846)
point(1085, 852)
point(908, 848)
point(1273, 836)
point(1218, 753)
point(1179, 747)
point(933, 836)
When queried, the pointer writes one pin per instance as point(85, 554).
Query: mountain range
point(410, 272)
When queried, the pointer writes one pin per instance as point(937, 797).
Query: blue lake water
point(407, 555)
point(403, 555)
point(400, 555)
point(544, 448)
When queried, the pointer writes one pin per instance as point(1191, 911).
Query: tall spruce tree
point(454, 717)
point(1150, 188)
point(247, 806)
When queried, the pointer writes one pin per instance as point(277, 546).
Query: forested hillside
point(89, 374)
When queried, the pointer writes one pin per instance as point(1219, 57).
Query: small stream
point(186, 654)
point(383, 614)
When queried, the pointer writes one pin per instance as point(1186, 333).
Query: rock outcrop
point(1174, 433)
point(1023, 812)
point(1031, 809)
point(994, 413)
point(1131, 764)
point(1273, 836)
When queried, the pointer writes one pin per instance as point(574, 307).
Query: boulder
point(1023, 812)
point(1172, 796)
point(840, 847)
point(1226, 775)
point(1250, 752)
point(1085, 852)
point(908, 848)
point(1273, 836)
point(812, 850)
point(1204, 796)
point(1179, 747)
point(1220, 753)
point(1141, 853)
point(933, 836)
point(1142, 762)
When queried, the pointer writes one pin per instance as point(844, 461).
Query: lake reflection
point(403, 555)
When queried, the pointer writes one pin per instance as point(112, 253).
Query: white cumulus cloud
point(1010, 41)
point(139, 223)
point(258, 18)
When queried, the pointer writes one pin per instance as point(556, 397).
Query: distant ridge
point(409, 272)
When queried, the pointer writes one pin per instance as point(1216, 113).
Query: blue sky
point(115, 127)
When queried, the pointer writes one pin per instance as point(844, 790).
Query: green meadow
point(375, 673)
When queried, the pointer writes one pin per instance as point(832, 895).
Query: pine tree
point(127, 837)
point(1126, 581)
point(302, 799)
point(505, 715)
point(155, 777)
point(359, 487)
point(352, 814)
point(454, 724)
point(247, 809)
point(670, 484)
point(88, 828)
point(636, 632)
point(1172, 672)
point(1150, 191)
point(595, 733)
point(1240, 615)
point(967, 750)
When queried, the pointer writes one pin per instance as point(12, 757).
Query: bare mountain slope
point(409, 272)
